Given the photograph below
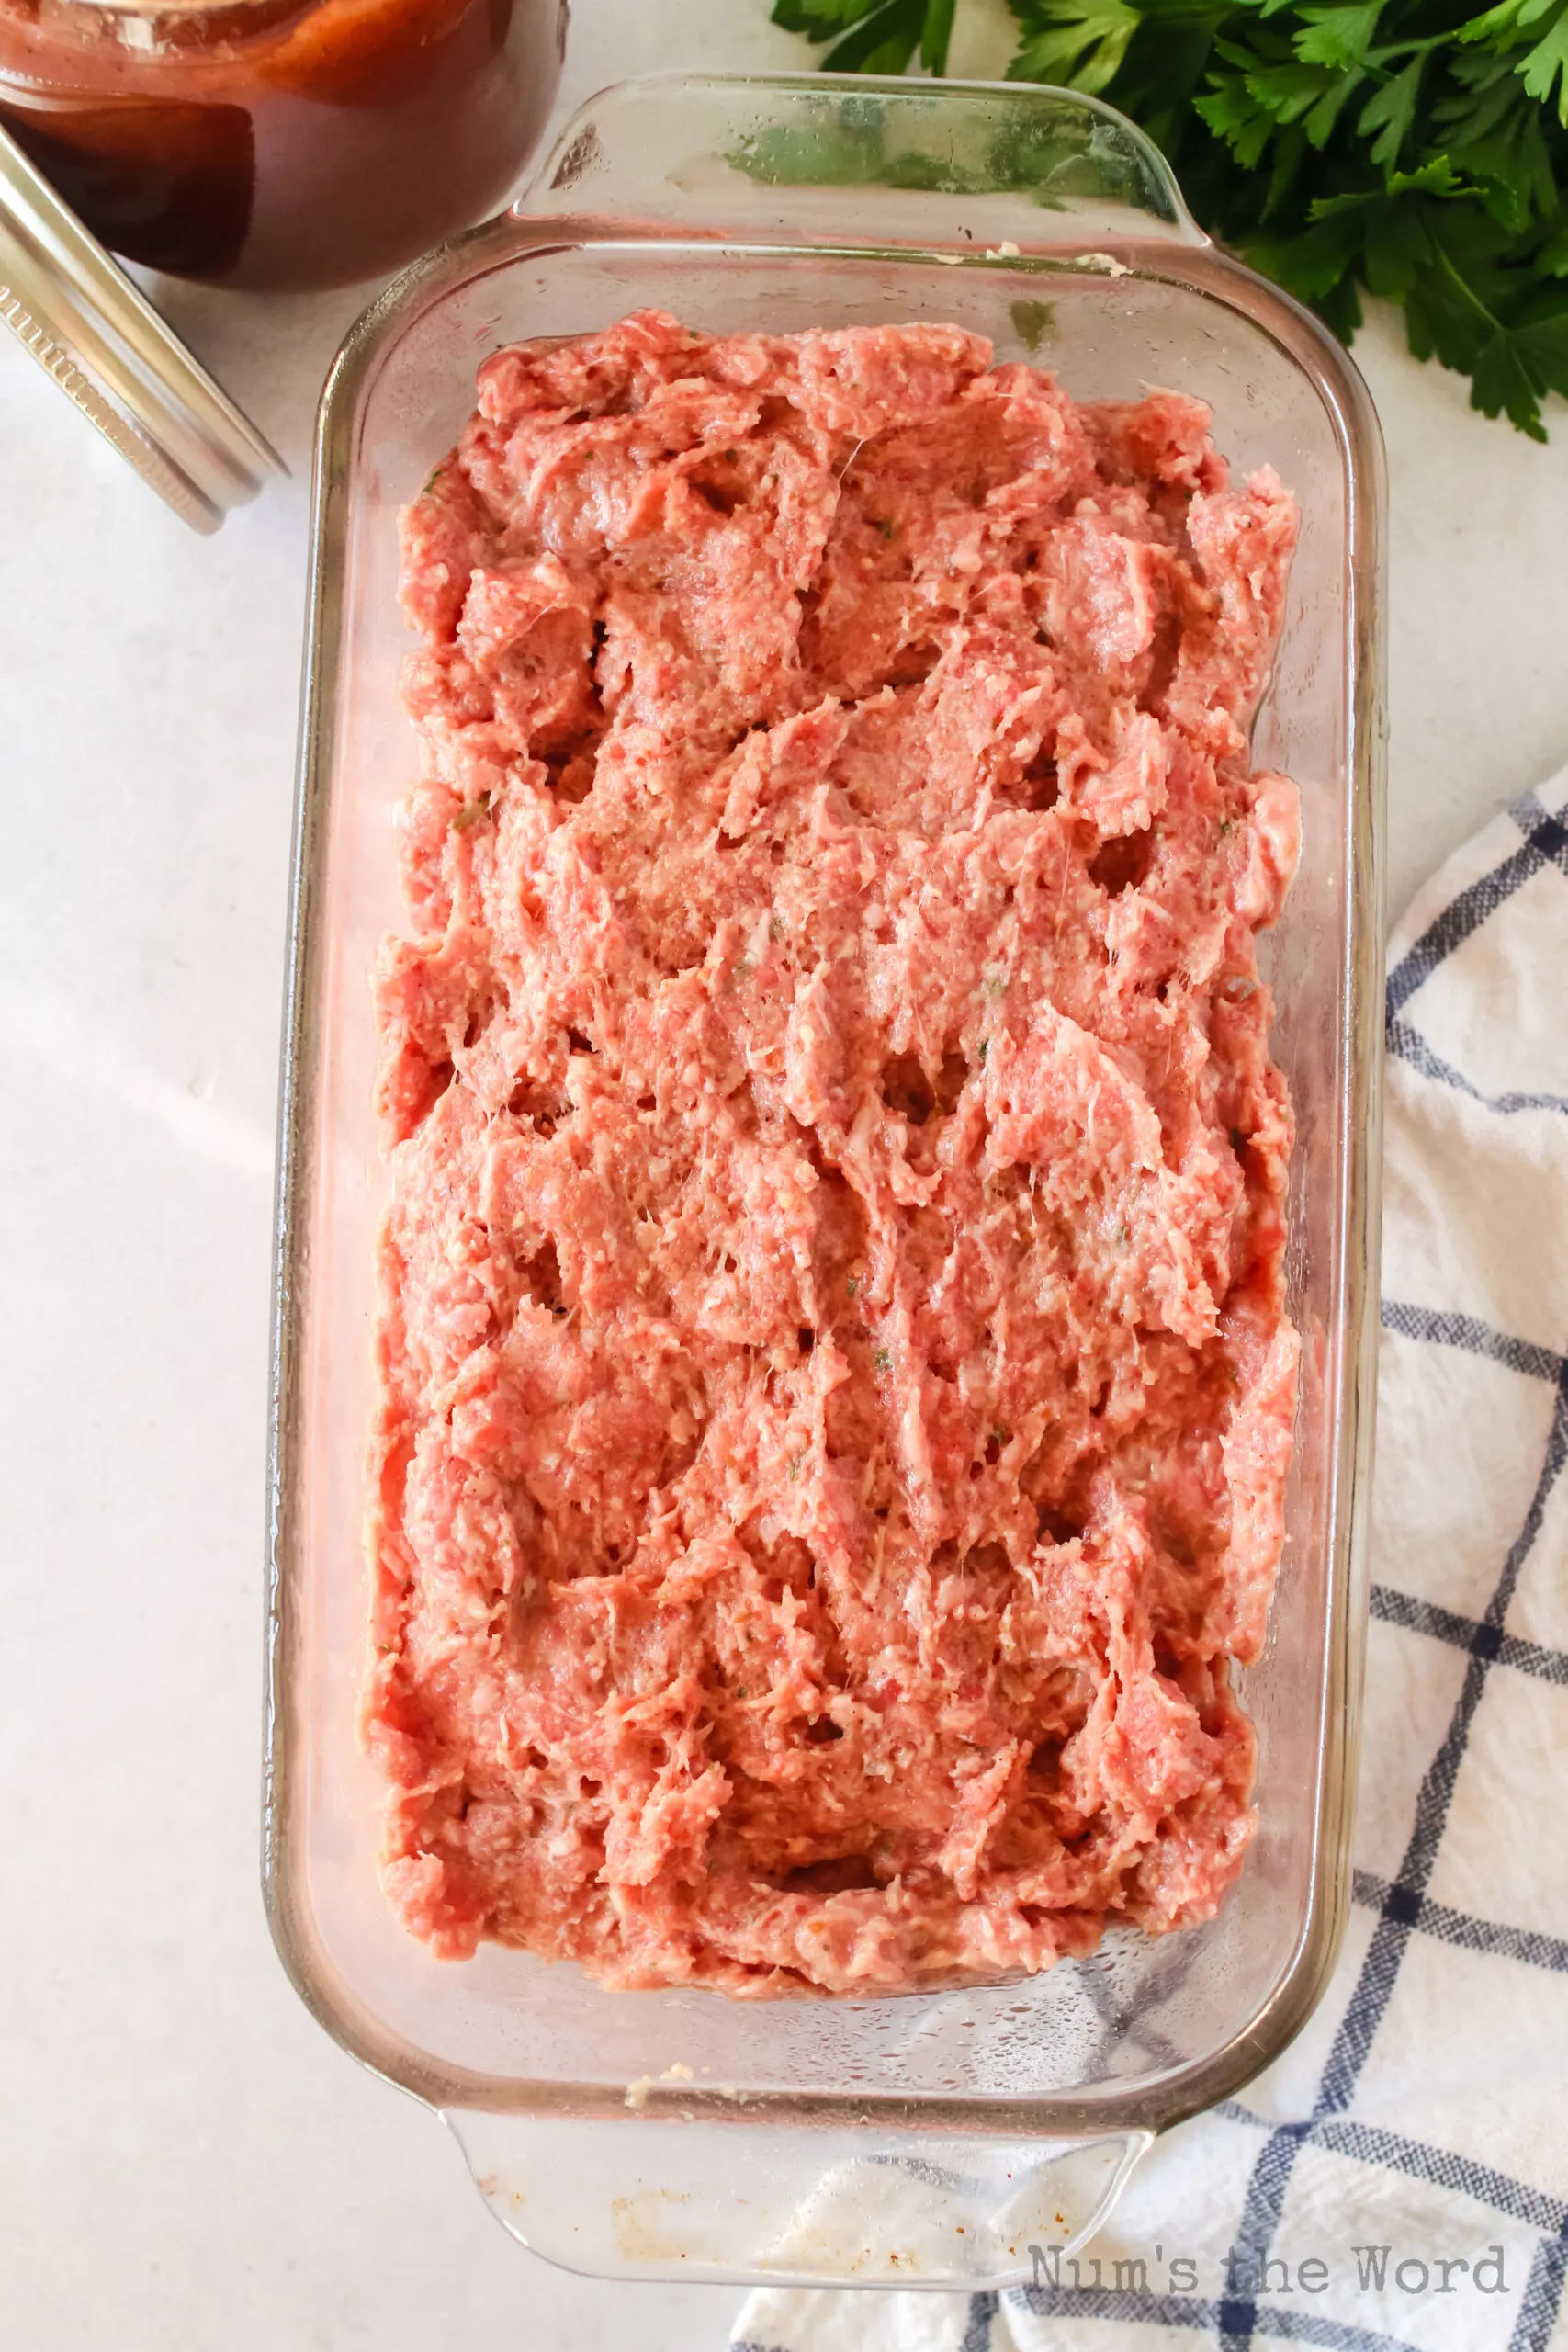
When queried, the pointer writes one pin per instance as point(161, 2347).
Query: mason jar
point(276, 145)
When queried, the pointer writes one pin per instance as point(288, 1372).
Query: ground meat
point(835, 1391)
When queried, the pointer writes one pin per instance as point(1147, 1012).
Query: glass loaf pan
point(929, 2139)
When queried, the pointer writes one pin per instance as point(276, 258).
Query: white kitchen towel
point(1403, 2170)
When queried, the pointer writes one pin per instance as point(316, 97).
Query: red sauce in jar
point(271, 144)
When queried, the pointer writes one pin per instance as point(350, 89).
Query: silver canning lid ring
point(127, 370)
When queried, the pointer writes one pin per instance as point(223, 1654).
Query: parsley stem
point(1406, 48)
point(1464, 285)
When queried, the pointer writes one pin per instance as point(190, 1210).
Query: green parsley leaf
point(1518, 366)
point(936, 34)
point(1546, 62)
point(820, 19)
point(1339, 37)
point(1391, 112)
point(1078, 43)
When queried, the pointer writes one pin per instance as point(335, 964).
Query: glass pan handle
point(837, 158)
point(738, 2203)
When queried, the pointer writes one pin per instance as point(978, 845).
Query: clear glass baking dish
point(930, 2139)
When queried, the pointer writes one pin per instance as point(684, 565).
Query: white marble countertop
point(186, 2160)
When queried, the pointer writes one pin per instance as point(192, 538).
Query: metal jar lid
point(83, 320)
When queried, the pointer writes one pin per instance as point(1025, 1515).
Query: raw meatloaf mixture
point(835, 1393)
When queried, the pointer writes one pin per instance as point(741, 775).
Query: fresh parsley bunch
point(1408, 147)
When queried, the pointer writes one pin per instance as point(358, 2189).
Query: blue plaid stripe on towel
point(1402, 2171)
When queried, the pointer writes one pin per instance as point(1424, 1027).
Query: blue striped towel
point(1398, 2181)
